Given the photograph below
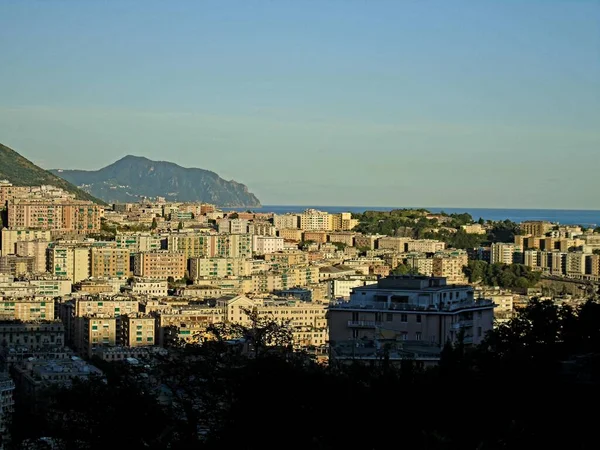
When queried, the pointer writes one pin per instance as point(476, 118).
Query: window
point(404, 318)
point(418, 318)
point(389, 317)
point(418, 336)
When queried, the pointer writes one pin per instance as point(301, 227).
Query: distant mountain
point(22, 172)
point(133, 177)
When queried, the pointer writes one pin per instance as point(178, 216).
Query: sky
point(317, 102)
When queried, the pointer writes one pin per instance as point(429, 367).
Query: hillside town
point(81, 282)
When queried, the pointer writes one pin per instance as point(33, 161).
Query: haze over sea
point(586, 218)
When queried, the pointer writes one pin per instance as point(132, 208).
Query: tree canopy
point(526, 386)
point(502, 275)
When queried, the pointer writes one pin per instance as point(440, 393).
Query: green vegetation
point(460, 239)
point(22, 172)
point(339, 245)
point(502, 275)
point(415, 224)
point(545, 363)
point(403, 269)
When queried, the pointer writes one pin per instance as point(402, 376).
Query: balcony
point(462, 324)
point(363, 324)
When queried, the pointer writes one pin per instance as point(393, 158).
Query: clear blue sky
point(332, 102)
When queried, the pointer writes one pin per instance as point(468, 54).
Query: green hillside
point(22, 172)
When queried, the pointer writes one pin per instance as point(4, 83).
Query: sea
point(583, 217)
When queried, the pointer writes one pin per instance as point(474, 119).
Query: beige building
point(286, 221)
point(36, 249)
point(147, 287)
point(11, 237)
point(160, 265)
point(450, 265)
point(10, 192)
point(98, 331)
point(220, 267)
point(61, 215)
point(474, 228)
point(261, 245)
point(290, 258)
point(367, 241)
point(187, 323)
point(506, 253)
point(138, 242)
point(307, 321)
point(320, 237)
point(409, 317)
point(26, 310)
point(421, 263)
point(396, 244)
point(290, 234)
point(17, 265)
point(192, 245)
point(137, 330)
point(311, 219)
point(535, 227)
point(425, 246)
point(70, 262)
point(109, 262)
point(342, 238)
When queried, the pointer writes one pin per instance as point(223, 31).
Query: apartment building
point(107, 262)
point(11, 237)
point(137, 330)
point(220, 267)
point(425, 246)
point(289, 258)
point(535, 227)
point(31, 336)
point(396, 244)
point(286, 221)
point(290, 234)
point(233, 226)
point(17, 265)
point(26, 309)
point(186, 323)
point(262, 228)
point(319, 237)
point(138, 242)
point(408, 317)
point(306, 321)
point(421, 263)
point(341, 288)
point(97, 331)
point(261, 245)
point(34, 376)
point(367, 241)
point(311, 219)
point(506, 253)
point(232, 245)
point(160, 265)
point(69, 262)
point(474, 228)
point(10, 192)
point(342, 238)
point(59, 215)
point(36, 249)
point(450, 265)
point(154, 288)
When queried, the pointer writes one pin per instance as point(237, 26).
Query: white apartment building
point(261, 245)
point(158, 288)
